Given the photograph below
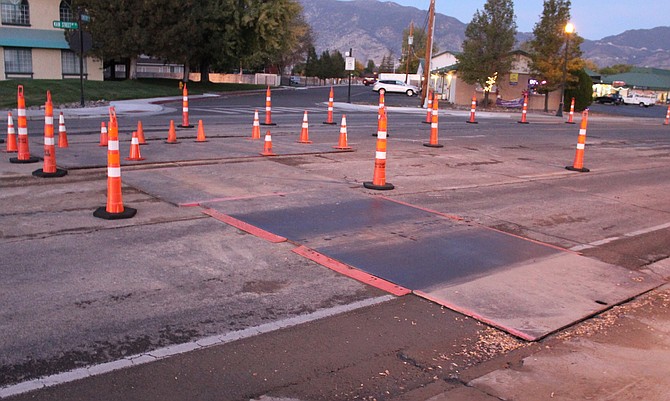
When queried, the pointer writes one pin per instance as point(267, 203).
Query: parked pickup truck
point(641, 100)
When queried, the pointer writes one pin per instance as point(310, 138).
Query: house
point(30, 46)
point(510, 86)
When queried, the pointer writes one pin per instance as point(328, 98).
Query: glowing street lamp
point(569, 29)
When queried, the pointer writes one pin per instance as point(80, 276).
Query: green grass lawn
point(68, 90)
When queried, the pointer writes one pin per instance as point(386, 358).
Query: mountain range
point(373, 29)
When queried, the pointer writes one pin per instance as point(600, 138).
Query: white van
point(641, 100)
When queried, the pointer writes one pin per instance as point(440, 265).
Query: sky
point(593, 19)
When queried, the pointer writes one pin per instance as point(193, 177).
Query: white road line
point(594, 244)
point(178, 349)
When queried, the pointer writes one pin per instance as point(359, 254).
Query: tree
point(414, 52)
point(197, 33)
point(616, 69)
point(388, 63)
point(489, 40)
point(547, 48)
point(582, 92)
point(312, 63)
point(370, 67)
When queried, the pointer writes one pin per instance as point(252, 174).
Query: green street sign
point(66, 25)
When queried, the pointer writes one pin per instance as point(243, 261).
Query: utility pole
point(429, 51)
point(410, 42)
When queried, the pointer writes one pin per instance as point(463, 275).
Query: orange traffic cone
point(572, 112)
point(267, 146)
point(381, 109)
point(525, 110)
point(256, 127)
point(330, 108)
point(103, 134)
point(135, 148)
point(304, 133)
point(62, 133)
point(342, 144)
point(140, 134)
point(49, 170)
point(429, 109)
point(379, 176)
point(11, 146)
point(433, 128)
point(23, 146)
point(201, 133)
point(172, 134)
point(114, 209)
point(473, 109)
point(268, 108)
point(667, 117)
point(184, 109)
point(578, 164)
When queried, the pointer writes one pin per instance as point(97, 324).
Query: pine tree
point(489, 40)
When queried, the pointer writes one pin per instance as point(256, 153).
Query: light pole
point(569, 28)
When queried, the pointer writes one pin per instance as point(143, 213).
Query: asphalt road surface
point(181, 303)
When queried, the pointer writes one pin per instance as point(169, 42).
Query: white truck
point(640, 100)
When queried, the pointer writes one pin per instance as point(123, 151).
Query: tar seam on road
point(158, 354)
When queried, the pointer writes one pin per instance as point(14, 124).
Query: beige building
point(30, 46)
point(508, 88)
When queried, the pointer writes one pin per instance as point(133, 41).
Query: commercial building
point(639, 80)
point(30, 46)
point(507, 89)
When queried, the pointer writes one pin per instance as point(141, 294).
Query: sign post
point(76, 25)
point(350, 66)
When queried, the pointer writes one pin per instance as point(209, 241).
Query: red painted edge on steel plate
point(467, 312)
point(352, 272)
point(258, 232)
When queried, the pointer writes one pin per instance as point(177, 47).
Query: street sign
point(350, 64)
point(66, 25)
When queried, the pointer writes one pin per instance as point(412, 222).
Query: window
point(18, 61)
point(70, 63)
point(66, 13)
point(15, 12)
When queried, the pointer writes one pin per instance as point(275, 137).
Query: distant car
point(295, 80)
point(612, 98)
point(367, 81)
point(386, 85)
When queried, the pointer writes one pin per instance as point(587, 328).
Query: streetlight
point(569, 28)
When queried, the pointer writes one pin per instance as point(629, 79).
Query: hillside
point(373, 29)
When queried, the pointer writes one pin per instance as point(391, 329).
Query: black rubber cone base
point(570, 122)
point(581, 170)
point(331, 123)
point(268, 124)
point(522, 122)
point(31, 159)
point(430, 145)
point(425, 122)
point(185, 126)
point(102, 213)
point(57, 174)
point(472, 122)
point(385, 187)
